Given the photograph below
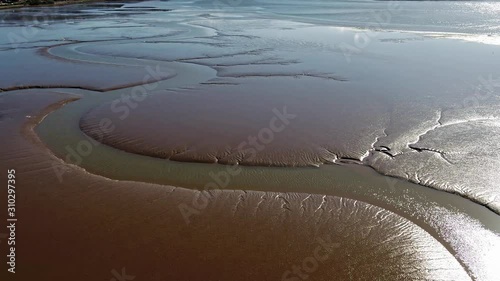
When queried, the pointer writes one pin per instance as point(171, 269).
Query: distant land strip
point(13, 4)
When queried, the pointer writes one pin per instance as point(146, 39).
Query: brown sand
point(87, 226)
point(255, 125)
point(42, 70)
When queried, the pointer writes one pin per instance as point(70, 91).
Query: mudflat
point(187, 141)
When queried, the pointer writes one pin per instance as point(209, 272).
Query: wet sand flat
point(103, 230)
point(179, 141)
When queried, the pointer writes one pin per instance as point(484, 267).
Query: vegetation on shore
point(8, 4)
